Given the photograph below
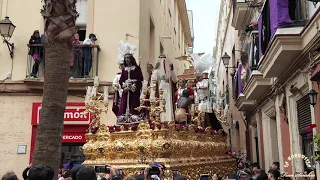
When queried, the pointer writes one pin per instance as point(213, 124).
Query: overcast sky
point(205, 22)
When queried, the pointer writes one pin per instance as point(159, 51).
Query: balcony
point(240, 11)
point(282, 52)
point(244, 104)
point(283, 41)
point(256, 86)
point(82, 72)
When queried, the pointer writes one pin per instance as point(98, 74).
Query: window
point(175, 34)
point(161, 49)
point(304, 114)
point(82, 8)
point(152, 40)
point(82, 34)
point(169, 21)
point(254, 50)
point(179, 31)
point(304, 120)
point(227, 96)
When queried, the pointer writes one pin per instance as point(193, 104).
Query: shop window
point(72, 153)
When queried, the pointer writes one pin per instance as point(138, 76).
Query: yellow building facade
point(154, 27)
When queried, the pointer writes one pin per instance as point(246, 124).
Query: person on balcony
point(76, 58)
point(87, 54)
point(35, 51)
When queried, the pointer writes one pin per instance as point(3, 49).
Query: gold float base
point(189, 167)
point(190, 150)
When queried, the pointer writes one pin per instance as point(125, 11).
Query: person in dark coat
point(35, 51)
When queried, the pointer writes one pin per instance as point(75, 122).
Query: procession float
point(154, 122)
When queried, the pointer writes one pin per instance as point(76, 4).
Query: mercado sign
point(72, 116)
point(74, 137)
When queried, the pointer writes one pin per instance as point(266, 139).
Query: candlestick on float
point(93, 100)
point(88, 96)
point(154, 109)
point(105, 95)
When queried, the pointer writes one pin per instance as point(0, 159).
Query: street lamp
point(226, 58)
point(313, 97)
point(6, 30)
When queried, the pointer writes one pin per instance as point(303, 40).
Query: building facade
point(154, 27)
point(274, 57)
point(226, 42)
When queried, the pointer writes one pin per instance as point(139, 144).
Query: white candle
point(142, 94)
point(145, 85)
point(196, 98)
point(88, 95)
point(94, 91)
point(154, 75)
point(153, 95)
point(105, 95)
point(96, 81)
point(162, 85)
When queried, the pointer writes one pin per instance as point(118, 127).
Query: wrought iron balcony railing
point(84, 61)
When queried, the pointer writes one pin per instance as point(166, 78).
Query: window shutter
point(304, 114)
point(82, 8)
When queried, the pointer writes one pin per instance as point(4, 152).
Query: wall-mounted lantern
point(6, 30)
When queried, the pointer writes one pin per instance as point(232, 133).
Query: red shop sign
point(74, 138)
point(72, 115)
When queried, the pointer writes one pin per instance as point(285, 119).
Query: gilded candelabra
point(93, 102)
point(157, 105)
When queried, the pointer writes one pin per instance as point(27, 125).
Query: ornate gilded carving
point(187, 148)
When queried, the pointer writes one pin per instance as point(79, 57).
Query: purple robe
point(279, 17)
point(134, 97)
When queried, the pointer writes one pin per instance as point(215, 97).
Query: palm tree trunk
point(59, 17)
